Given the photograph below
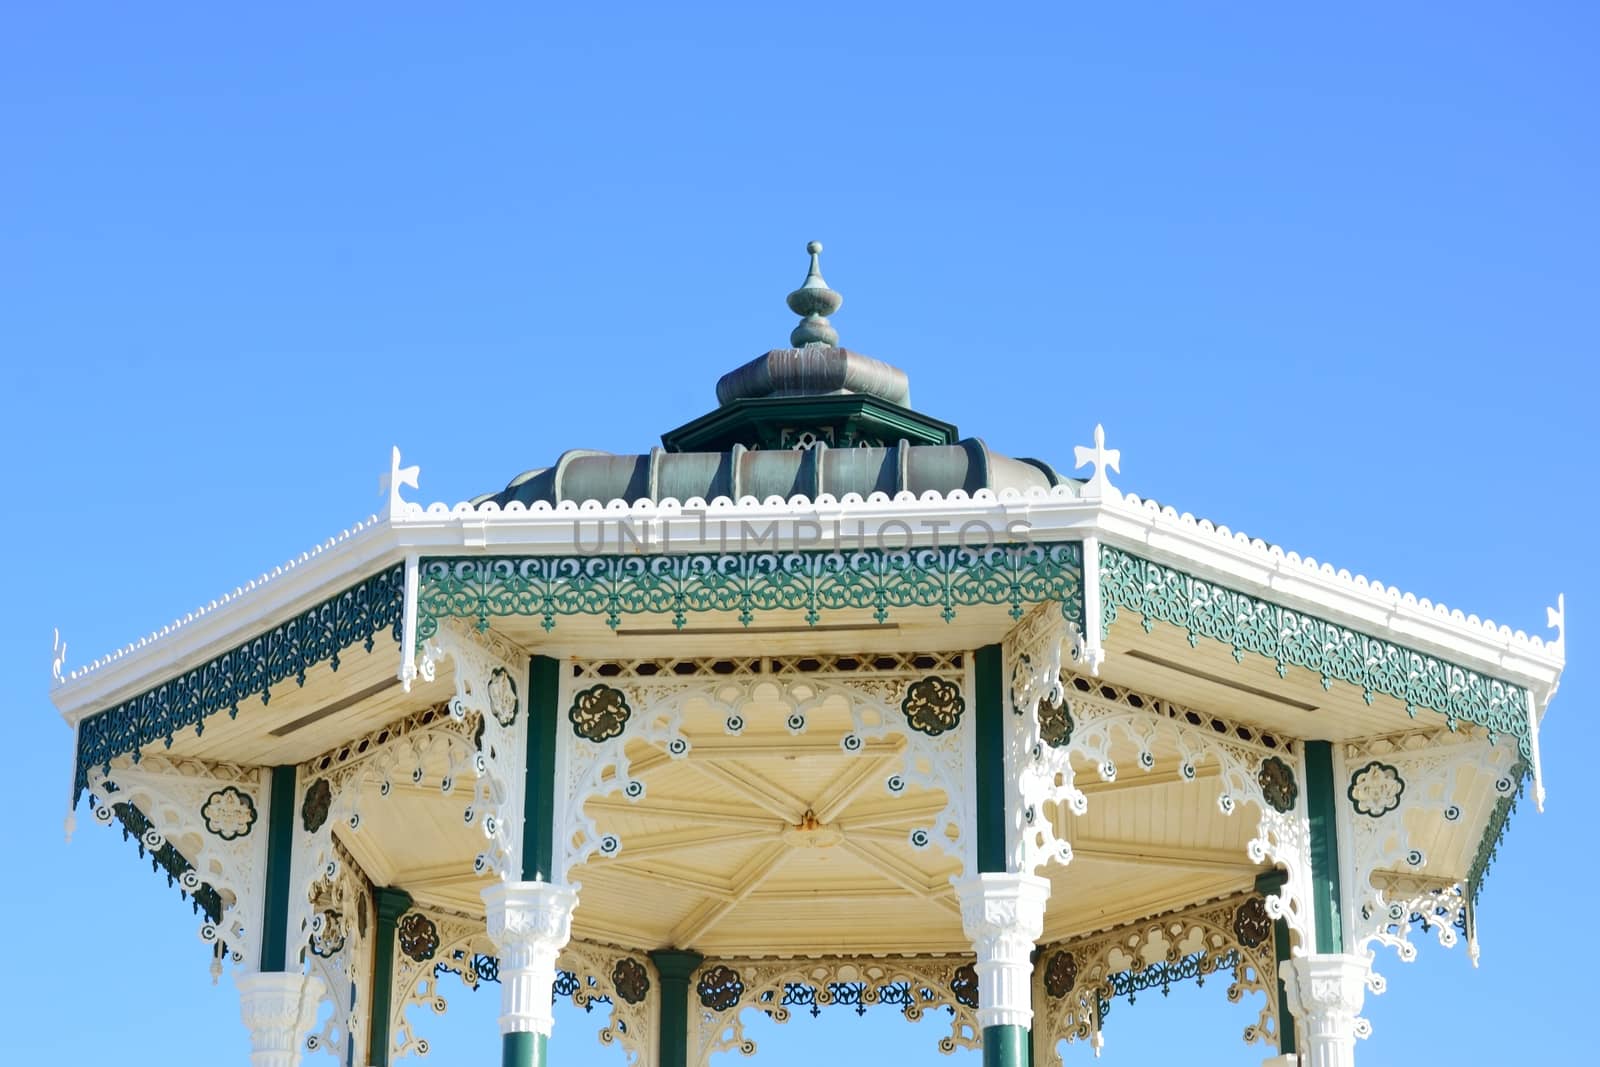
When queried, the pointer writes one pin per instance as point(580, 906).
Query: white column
point(1004, 916)
point(1325, 994)
point(529, 923)
point(279, 1008)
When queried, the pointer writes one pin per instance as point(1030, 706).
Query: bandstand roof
point(765, 840)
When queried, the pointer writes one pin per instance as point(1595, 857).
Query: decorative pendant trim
point(548, 587)
point(315, 636)
point(1245, 623)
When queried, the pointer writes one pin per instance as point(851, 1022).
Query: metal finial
point(814, 301)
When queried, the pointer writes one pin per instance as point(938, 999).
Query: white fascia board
point(1161, 535)
point(240, 617)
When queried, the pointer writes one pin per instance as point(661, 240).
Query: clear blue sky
point(1327, 277)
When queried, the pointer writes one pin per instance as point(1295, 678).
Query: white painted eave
point(1162, 535)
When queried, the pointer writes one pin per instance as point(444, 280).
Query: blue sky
point(1328, 277)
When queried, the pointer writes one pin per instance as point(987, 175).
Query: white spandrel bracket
point(278, 1008)
point(1325, 994)
point(489, 674)
point(1003, 914)
point(211, 814)
point(529, 923)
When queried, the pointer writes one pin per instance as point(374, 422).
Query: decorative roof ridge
point(240, 592)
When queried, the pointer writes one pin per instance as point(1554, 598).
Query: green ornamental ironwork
point(317, 635)
point(549, 587)
point(1055, 722)
point(599, 713)
point(720, 987)
point(228, 813)
point(933, 705)
point(1278, 786)
point(1376, 789)
point(1294, 639)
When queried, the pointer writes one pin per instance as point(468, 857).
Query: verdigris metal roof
point(803, 421)
point(967, 465)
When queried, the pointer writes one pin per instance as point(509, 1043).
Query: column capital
point(278, 1008)
point(1004, 916)
point(675, 963)
point(994, 904)
point(1325, 994)
point(529, 923)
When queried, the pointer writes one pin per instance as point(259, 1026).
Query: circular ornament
point(502, 696)
point(418, 937)
point(1376, 789)
point(720, 988)
point(1060, 974)
point(229, 813)
point(1278, 786)
point(933, 705)
point(328, 937)
point(1251, 923)
point(1055, 723)
point(599, 713)
point(314, 809)
point(630, 980)
point(964, 985)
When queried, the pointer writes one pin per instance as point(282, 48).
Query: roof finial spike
point(814, 301)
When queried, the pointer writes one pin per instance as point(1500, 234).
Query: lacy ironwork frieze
point(1290, 638)
point(813, 582)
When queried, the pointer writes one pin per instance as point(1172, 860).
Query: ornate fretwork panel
point(592, 975)
point(1156, 592)
point(725, 989)
point(919, 699)
point(1034, 651)
point(743, 584)
point(1400, 792)
point(341, 954)
point(428, 945)
point(490, 674)
point(1075, 981)
point(431, 749)
point(208, 822)
point(1082, 723)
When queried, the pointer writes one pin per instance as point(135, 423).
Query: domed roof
point(804, 421)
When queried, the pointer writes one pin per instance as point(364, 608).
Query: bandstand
point(818, 704)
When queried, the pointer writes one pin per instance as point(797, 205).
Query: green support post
point(674, 967)
point(526, 1048)
point(1322, 801)
point(1003, 1046)
point(1271, 882)
point(390, 904)
point(990, 725)
point(539, 788)
point(280, 849)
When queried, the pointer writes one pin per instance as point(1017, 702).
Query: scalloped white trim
point(223, 601)
point(1089, 520)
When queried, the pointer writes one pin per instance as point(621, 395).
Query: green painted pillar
point(528, 1048)
point(1322, 801)
point(1271, 882)
point(280, 849)
point(390, 904)
point(991, 727)
point(1007, 1045)
point(675, 968)
point(524, 1048)
point(539, 788)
